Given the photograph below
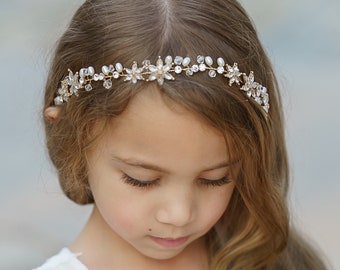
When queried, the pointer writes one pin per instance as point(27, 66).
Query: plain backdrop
point(301, 37)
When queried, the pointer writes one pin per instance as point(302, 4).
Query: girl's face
point(160, 177)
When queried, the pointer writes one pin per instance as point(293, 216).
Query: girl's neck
point(102, 248)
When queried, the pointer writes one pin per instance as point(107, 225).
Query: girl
point(166, 116)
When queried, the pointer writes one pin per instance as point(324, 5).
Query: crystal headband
point(166, 70)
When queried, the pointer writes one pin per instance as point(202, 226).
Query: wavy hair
point(255, 231)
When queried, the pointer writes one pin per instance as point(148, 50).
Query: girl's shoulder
point(64, 260)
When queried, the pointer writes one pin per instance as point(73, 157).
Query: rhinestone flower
point(134, 73)
point(160, 72)
point(233, 74)
point(249, 83)
point(72, 81)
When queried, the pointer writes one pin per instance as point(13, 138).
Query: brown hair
point(256, 226)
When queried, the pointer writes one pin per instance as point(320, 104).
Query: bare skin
point(160, 177)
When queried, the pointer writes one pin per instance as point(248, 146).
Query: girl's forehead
point(151, 104)
point(152, 126)
point(152, 109)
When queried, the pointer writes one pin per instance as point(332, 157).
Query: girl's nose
point(176, 209)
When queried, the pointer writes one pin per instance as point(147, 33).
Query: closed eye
point(139, 183)
point(213, 183)
point(151, 183)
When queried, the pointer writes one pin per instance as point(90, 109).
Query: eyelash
point(148, 184)
point(215, 183)
point(138, 183)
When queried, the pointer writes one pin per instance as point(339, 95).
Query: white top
point(64, 260)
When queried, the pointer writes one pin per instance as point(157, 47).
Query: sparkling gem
point(111, 68)
point(82, 72)
point(107, 84)
point(146, 63)
point(81, 80)
point(236, 70)
point(266, 107)
point(65, 97)
point(159, 63)
point(65, 82)
point(96, 77)
point(72, 90)
point(105, 70)
point(195, 68)
point(88, 87)
point(202, 67)
point(220, 62)
point(233, 74)
point(134, 73)
point(58, 100)
point(101, 76)
point(90, 71)
point(119, 67)
point(265, 98)
point(209, 61)
point(253, 85)
point(168, 60)
point(70, 78)
point(186, 61)
point(178, 69)
point(245, 87)
point(115, 74)
point(166, 68)
point(189, 72)
point(258, 100)
point(220, 70)
point(152, 77)
point(212, 73)
point(251, 77)
point(160, 80)
point(62, 90)
point(231, 81)
point(153, 69)
point(178, 60)
point(168, 76)
point(200, 59)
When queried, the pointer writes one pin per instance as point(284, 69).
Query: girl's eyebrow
point(220, 165)
point(153, 167)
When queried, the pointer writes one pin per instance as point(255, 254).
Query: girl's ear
point(52, 113)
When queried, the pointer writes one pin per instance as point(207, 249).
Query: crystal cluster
point(162, 70)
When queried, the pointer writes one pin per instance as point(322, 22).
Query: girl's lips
point(170, 242)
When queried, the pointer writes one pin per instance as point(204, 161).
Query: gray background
point(302, 39)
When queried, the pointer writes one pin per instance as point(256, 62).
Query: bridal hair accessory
point(166, 70)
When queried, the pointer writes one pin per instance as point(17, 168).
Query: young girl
point(166, 115)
